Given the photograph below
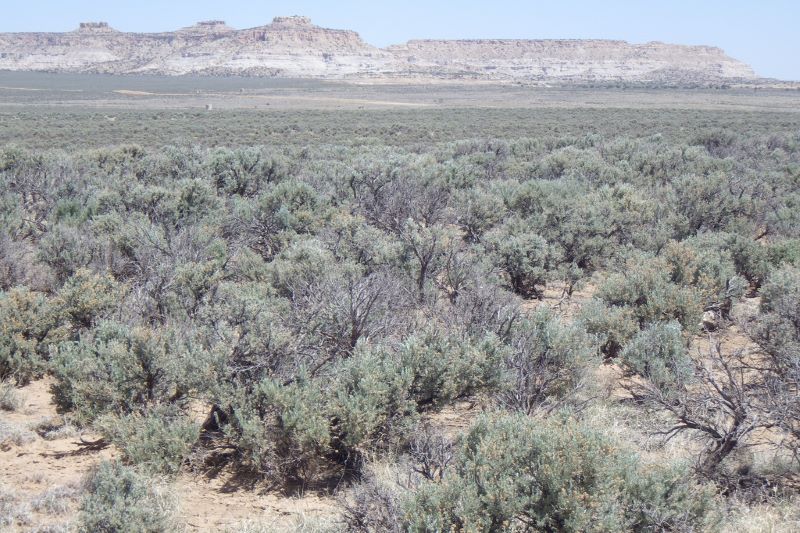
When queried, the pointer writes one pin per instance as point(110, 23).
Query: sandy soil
point(33, 465)
point(220, 504)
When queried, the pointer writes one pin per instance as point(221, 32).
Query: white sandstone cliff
point(294, 47)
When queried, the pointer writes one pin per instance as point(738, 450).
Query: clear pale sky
point(765, 34)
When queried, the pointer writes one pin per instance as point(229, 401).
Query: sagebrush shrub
point(525, 258)
point(281, 430)
point(117, 369)
point(290, 206)
point(658, 353)
point(513, 473)
point(9, 398)
point(28, 325)
point(751, 259)
point(644, 294)
point(444, 369)
point(371, 506)
point(478, 212)
point(645, 288)
point(377, 394)
point(85, 297)
point(778, 326)
point(371, 400)
point(244, 171)
point(548, 363)
point(156, 441)
point(712, 273)
point(777, 331)
point(120, 500)
point(614, 326)
point(65, 249)
point(301, 428)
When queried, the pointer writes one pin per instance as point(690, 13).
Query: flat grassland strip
point(67, 110)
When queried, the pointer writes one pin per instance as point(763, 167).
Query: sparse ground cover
point(522, 319)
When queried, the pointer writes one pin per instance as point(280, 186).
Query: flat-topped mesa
point(297, 35)
point(208, 27)
point(567, 59)
point(294, 20)
point(95, 27)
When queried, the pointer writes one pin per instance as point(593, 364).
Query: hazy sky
point(765, 34)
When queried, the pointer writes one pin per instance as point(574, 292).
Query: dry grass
point(13, 511)
point(782, 516)
point(52, 528)
point(13, 435)
point(300, 524)
point(9, 397)
point(55, 428)
point(56, 500)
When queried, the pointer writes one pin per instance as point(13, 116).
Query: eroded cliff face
point(289, 47)
point(579, 60)
point(294, 47)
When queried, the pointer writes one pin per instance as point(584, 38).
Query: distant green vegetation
point(416, 129)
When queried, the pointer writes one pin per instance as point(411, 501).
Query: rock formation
point(294, 47)
point(569, 60)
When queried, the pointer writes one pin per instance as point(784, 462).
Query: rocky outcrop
point(294, 47)
point(95, 27)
